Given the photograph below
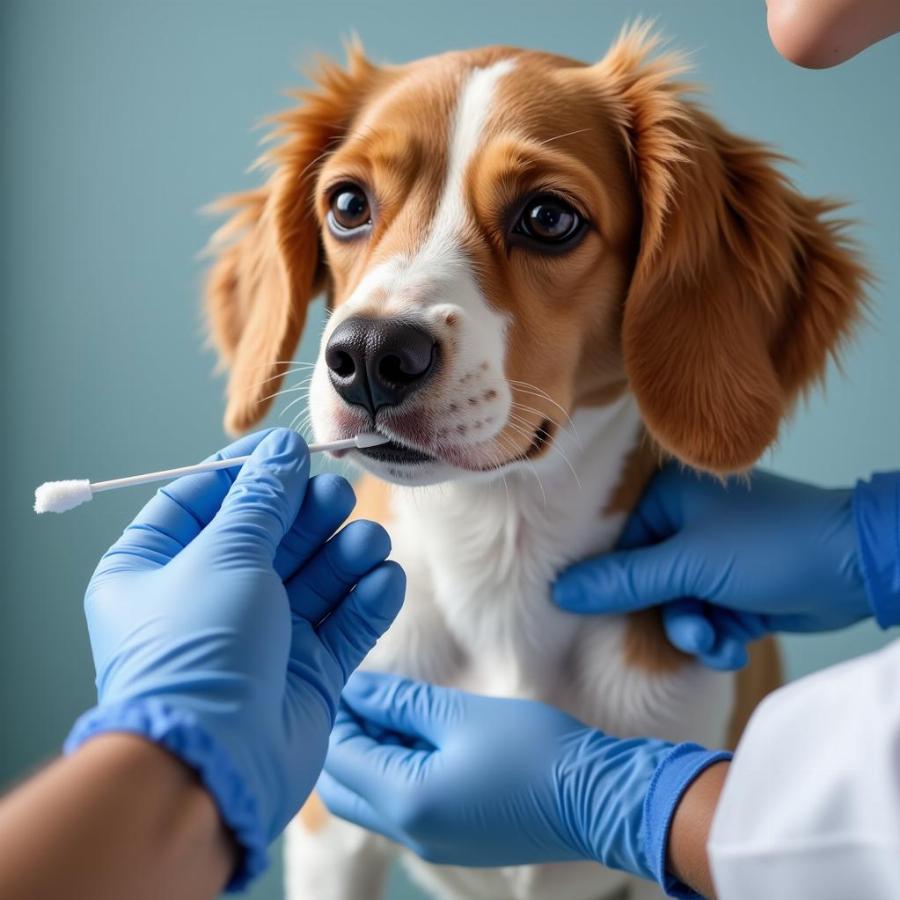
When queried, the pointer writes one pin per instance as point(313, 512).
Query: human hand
point(467, 780)
point(819, 34)
point(729, 562)
point(225, 622)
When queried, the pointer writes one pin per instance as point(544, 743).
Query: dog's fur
point(705, 295)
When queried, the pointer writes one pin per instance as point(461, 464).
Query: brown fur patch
point(640, 466)
point(313, 814)
point(646, 646)
point(762, 675)
point(373, 499)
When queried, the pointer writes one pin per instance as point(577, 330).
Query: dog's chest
point(479, 617)
point(491, 584)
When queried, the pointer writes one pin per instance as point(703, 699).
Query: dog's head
point(505, 236)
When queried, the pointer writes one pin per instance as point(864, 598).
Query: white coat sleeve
point(811, 805)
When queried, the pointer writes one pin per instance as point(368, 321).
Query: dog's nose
point(378, 362)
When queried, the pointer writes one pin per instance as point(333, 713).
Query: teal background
point(121, 118)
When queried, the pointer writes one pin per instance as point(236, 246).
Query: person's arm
point(119, 818)
point(818, 34)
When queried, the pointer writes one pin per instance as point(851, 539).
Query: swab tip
point(61, 496)
point(370, 439)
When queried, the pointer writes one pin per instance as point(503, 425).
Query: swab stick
point(61, 496)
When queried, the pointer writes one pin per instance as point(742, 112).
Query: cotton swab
point(61, 496)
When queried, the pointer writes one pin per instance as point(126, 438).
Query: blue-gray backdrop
point(121, 118)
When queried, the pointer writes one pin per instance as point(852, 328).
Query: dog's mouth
point(396, 453)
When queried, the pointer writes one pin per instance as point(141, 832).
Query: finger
point(624, 581)
point(413, 709)
point(178, 512)
point(328, 500)
point(655, 516)
point(747, 626)
point(729, 652)
point(728, 655)
point(687, 627)
point(325, 580)
point(264, 500)
point(355, 626)
point(346, 804)
point(372, 769)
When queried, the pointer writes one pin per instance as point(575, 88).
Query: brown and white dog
point(543, 277)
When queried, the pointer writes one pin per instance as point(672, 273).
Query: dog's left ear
point(742, 287)
point(268, 266)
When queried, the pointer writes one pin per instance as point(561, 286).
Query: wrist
point(180, 812)
point(876, 513)
point(122, 800)
point(688, 859)
point(180, 732)
point(678, 771)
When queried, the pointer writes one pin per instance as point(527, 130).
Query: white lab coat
point(811, 806)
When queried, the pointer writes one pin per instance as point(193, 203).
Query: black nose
point(378, 362)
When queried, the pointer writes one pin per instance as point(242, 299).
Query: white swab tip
point(371, 439)
point(61, 496)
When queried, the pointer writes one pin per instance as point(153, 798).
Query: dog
point(544, 278)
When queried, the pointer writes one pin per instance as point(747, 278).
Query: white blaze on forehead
point(470, 117)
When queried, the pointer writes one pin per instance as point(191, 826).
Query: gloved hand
point(224, 624)
point(730, 562)
point(476, 781)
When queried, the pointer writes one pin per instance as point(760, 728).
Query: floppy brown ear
point(742, 287)
point(268, 265)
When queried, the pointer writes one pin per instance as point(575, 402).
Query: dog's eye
point(550, 221)
point(349, 212)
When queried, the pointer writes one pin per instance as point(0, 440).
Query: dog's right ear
point(268, 265)
point(742, 288)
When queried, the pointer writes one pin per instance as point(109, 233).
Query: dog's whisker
point(293, 389)
point(264, 381)
point(540, 414)
point(561, 136)
point(554, 447)
point(294, 402)
point(514, 453)
point(292, 365)
point(535, 391)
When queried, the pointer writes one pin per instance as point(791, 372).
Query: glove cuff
point(876, 513)
point(179, 732)
point(674, 775)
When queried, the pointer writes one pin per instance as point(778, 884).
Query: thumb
point(625, 580)
point(264, 500)
point(414, 709)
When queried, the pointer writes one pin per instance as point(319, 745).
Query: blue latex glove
point(224, 624)
point(730, 562)
point(476, 781)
